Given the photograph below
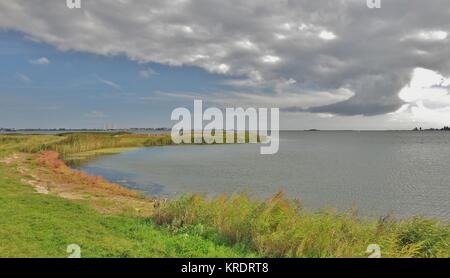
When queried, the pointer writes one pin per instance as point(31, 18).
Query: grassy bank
point(107, 220)
point(281, 228)
point(38, 225)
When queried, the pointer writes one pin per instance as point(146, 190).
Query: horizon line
point(168, 129)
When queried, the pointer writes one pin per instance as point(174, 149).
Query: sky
point(327, 64)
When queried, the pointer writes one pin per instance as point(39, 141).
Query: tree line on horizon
point(445, 128)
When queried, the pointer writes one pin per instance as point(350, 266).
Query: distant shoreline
point(14, 130)
point(163, 129)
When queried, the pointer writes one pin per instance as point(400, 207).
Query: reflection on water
point(406, 173)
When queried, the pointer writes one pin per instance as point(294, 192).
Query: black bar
point(227, 267)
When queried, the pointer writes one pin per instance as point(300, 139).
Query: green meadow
point(43, 225)
point(34, 225)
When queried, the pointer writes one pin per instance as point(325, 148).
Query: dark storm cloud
point(290, 47)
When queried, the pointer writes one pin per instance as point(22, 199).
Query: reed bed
point(84, 142)
point(278, 227)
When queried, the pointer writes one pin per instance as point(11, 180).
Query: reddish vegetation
point(50, 159)
point(65, 174)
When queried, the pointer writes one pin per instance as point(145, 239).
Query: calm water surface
point(404, 173)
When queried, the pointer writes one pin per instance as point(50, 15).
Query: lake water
point(404, 173)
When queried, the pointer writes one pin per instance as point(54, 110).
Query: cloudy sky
point(328, 64)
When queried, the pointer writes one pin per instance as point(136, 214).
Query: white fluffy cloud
point(435, 35)
point(428, 87)
point(427, 99)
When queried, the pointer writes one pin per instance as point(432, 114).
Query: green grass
point(35, 225)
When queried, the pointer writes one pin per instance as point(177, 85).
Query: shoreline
point(49, 175)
